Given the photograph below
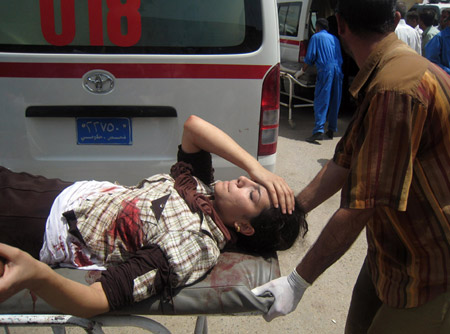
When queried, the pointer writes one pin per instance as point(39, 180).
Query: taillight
point(270, 113)
point(302, 51)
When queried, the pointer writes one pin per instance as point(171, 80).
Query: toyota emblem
point(98, 82)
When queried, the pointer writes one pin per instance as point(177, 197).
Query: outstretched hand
point(19, 271)
point(22, 271)
point(279, 191)
point(298, 74)
point(287, 290)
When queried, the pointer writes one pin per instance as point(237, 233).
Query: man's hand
point(298, 74)
point(279, 191)
point(287, 290)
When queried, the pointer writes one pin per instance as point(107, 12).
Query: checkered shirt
point(115, 225)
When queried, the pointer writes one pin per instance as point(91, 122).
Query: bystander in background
point(444, 15)
point(406, 33)
point(412, 19)
point(438, 49)
point(324, 51)
point(426, 20)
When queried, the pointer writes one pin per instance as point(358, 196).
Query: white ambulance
point(297, 22)
point(100, 89)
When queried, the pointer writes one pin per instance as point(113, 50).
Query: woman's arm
point(199, 135)
point(22, 271)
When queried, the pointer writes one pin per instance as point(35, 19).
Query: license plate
point(104, 131)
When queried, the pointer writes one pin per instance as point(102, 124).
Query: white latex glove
point(287, 290)
point(298, 74)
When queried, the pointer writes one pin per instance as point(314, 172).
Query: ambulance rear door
point(100, 89)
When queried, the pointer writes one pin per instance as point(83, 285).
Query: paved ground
point(324, 306)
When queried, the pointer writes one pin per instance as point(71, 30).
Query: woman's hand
point(280, 193)
point(200, 135)
point(20, 271)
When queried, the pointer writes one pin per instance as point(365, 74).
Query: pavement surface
point(324, 306)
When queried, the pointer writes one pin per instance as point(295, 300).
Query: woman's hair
point(365, 17)
point(274, 230)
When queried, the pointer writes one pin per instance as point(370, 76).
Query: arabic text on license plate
point(104, 131)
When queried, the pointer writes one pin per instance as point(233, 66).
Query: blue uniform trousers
point(327, 97)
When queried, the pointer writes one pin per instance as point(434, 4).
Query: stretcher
point(304, 102)
point(225, 291)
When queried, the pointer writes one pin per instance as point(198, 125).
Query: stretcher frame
point(225, 291)
point(304, 102)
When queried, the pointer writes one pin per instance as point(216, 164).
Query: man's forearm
point(326, 183)
point(335, 239)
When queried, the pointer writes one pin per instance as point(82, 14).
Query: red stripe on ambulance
point(289, 41)
point(133, 71)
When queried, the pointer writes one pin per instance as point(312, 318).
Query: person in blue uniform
point(325, 52)
point(437, 49)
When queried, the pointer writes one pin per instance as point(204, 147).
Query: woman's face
point(240, 200)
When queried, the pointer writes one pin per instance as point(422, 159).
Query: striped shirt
point(397, 149)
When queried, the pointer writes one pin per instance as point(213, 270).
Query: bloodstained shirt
point(113, 225)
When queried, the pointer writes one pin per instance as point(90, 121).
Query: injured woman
point(166, 232)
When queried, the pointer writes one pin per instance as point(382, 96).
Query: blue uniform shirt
point(324, 50)
point(438, 49)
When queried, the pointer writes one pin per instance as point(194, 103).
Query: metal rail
point(304, 101)
point(95, 325)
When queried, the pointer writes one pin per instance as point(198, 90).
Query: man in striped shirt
point(392, 167)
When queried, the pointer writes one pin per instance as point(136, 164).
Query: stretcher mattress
point(224, 291)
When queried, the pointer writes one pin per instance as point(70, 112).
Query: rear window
point(288, 18)
point(131, 26)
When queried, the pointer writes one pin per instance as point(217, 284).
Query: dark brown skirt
point(25, 203)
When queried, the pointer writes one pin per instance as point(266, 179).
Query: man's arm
point(333, 242)
point(199, 135)
point(302, 71)
point(335, 239)
point(324, 185)
point(310, 58)
point(24, 272)
point(342, 229)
